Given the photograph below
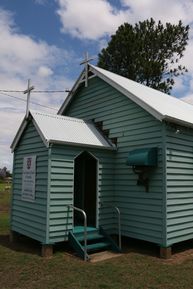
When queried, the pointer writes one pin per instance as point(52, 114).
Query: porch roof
point(64, 130)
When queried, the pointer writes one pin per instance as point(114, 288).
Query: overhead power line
point(21, 99)
point(35, 91)
point(48, 91)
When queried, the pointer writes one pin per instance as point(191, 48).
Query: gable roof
point(161, 105)
point(64, 130)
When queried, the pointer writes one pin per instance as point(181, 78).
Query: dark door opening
point(85, 182)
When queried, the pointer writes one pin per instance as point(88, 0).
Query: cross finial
point(86, 62)
point(28, 91)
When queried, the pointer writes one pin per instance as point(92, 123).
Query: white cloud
point(166, 11)
point(188, 98)
point(44, 71)
point(9, 123)
point(94, 19)
point(188, 56)
point(89, 19)
point(22, 57)
point(19, 53)
point(179, 84)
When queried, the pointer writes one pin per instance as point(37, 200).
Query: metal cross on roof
point(28, 91)
point(86, 62)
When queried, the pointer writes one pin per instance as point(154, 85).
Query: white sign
point(29, 178)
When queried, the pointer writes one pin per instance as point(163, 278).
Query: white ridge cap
point(159, 104)
point(55, 116)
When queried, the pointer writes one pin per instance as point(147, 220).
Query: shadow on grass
point(27, 245)
point(130, 245)
point(150, 249)
point(21, 244)
point(182, 247)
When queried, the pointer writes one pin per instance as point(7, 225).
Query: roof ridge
point(141, 84)
point(157, 103)
point(133, 81)
point(56, 116)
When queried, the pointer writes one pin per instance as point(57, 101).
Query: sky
point(45, 40)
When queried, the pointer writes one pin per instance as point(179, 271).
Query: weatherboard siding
point(179, 185)
point(62, 183)
point(141, 212)
point(29, 218)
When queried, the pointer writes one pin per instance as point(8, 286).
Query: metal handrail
point(119, 220)
point(85, 228)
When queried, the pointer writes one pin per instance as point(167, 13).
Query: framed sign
point(29, 178)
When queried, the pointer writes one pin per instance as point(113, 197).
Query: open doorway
point(85, 188)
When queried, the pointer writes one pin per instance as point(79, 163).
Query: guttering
point(52, 141)
point(177, 121)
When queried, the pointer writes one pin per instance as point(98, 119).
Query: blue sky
point(44, 40)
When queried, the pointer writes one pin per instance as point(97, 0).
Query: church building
point(117, 159)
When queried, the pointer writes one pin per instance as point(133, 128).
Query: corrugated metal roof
point(159, 104)
point(162, 105)
point(62, 129)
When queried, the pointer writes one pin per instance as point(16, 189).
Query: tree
point(4, 173)
point(147, 52)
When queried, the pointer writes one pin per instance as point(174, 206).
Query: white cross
point(28, 90)
point(86, 62)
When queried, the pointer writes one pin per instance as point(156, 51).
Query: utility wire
point(48, 91)
point(21, 99)
point(35, 91)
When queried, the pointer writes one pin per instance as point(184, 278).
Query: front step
point(97, 240)
point(98, 246)
point(90, 237)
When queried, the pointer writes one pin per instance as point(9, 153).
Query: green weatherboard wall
point(61, 188)
point(179, 184)
point(142, 214)
point(162, 215)
point(48, 218)
point(30, 218)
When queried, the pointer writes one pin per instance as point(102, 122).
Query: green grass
point(5, 196)
point(21, 267)
point(4, 223)
point(2, 186)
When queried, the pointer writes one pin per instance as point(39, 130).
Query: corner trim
point(48, 197)
point(164, 177)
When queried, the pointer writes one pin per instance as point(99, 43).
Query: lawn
point(2, 186)
point(21, 267)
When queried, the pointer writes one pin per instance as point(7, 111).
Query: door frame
point(97, 185)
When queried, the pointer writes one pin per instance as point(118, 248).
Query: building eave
point(71, 93)
point(52, 141)
point(40, 133)
point(125, 92)
point(19, 134)
point(177, 121)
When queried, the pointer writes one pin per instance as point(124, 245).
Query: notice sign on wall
point(29, 178)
